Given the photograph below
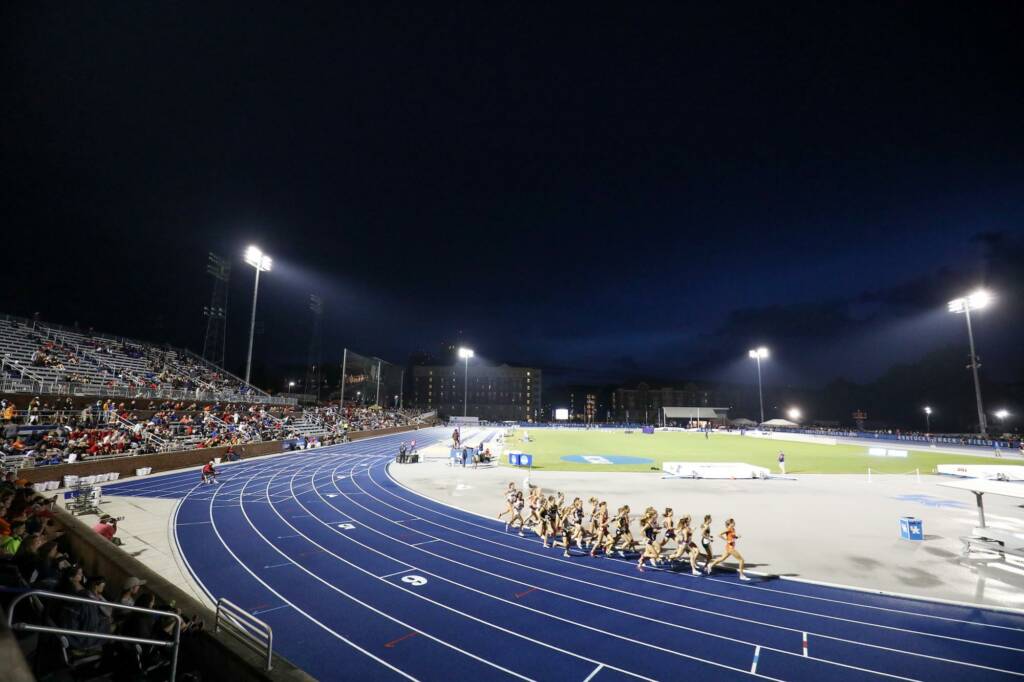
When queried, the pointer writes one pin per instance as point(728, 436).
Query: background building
point(496, 393)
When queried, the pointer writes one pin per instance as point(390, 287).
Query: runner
point(706, 538)
point(517, 514)
point(686, 545)
point(730, 537)
point(510, 497)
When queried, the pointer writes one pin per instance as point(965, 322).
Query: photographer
point(107, 527)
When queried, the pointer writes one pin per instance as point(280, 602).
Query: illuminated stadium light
point(758, 354)
point(927, 419)
point(965, 304)
point(257, 259)
point(1001, 415)
point(793, 413)
point(262, 262)
point(466, 354)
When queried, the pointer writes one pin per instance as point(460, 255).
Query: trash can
point(911, 528)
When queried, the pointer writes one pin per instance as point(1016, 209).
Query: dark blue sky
point(607, 193)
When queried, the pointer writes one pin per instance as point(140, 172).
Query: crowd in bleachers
point(65, 360)
point(34, 555)
point(356, 418)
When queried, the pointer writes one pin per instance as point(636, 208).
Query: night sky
point(610, 194)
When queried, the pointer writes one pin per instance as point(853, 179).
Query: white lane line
point(805, 645)
point(194, 523)
point(391, 575)
point(736, 585)
point(703, 611)
point(439, 640)
point(757, 654)
point(595, 671)
point(425, 542)
point(533, 610)
point(603, 606)
point(672, 586)
point(286, 601)
point(445, 606)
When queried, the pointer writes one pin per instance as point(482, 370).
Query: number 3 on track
point(414, 580)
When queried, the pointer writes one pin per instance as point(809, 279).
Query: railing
point(226, 373)
point(43, 594)
point(159, 442)
point(247, 628)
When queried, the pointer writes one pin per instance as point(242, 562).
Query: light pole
point(260, 261)
point(291, 385)
point(965, 304)
point(758, 354)
point(466, 354)
point(927, 420)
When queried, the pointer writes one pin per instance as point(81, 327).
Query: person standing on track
point(782, 462)
point(730, 537)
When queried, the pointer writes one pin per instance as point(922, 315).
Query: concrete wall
point(163, 461)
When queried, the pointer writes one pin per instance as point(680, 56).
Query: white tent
point(781, 424)
point(743, 422)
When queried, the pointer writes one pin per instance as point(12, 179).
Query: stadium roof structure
point(743, 421)
point(695, 412)
point(781, 423)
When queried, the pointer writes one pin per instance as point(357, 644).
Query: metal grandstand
point(102, 365)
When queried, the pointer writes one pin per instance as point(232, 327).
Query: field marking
point(753, 666)
point(391, 575)
point(591, 675)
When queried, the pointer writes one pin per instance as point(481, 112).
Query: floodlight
point(793, 413)
point(1002, 414)
point(927, 410)
point(760, 353)
point(257, 259)
point(465, 353)
point(975, 301)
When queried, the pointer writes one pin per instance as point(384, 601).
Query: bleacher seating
point(38, 357)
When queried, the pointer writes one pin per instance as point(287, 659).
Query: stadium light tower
point(1001, 415)
point(965, 304)
point(928, 419)
point(466, 354)
point(260, 261)
point(758, 354)
point(794, 414)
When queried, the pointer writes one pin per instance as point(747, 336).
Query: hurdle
point(916, 472)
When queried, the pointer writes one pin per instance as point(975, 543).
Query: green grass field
point(548, 446)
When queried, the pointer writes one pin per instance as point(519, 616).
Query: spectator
point(10, 545)
point(130, 590)
point(107, 527)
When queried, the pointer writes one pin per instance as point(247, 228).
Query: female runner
point(510, 496)
point(548, 515)
point(706, 538)
point(730, 537)
point(592, 521)
point(652, 548)
point(572, 525)
point(517, 513)
point(686, 545)
point(601, 522)
point(621, 531)
point(668, 524)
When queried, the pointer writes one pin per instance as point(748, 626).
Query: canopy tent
point(743, 422)
point(695, 412)
point(781, 424)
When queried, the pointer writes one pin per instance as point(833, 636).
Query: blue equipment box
point(911, 528)
point(520, 459)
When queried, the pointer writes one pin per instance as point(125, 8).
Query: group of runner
point(597, 530)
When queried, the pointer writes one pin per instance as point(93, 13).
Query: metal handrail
point(245, 627)
point(28, 627)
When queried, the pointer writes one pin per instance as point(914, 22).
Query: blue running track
point(361, 578)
